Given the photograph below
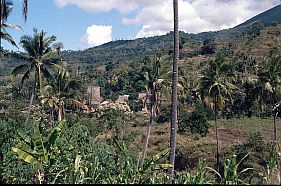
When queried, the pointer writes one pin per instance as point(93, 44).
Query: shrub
point(193, 123)
point(206, 111)
point(164, 115)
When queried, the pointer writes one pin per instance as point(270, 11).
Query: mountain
point(135, 50)
point(268, 17)
point(124, 50)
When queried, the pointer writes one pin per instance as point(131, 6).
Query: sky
point(81, 24)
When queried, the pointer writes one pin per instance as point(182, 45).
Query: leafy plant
point(129, 171)
point(271, 173)
point(231, 175)
point(194, 123)
point(200, 176)
point(36, 150)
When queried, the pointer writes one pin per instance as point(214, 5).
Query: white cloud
point(123, 6)
point(156, 16)
point(97, 34)
point(196, 15)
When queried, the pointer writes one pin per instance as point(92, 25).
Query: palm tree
point(51, 100)
point(41, 57)
point(270, 77)
point(215, 87)
point(59, 89)
point(173, 129)
point(4, 13)
point(154, 80)
point(5, 10)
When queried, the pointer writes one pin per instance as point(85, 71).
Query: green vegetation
point(228, 108)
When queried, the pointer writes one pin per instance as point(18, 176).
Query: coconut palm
point(174, 90)
point(51, 100)
point(5, 10)
point(154, 84)
point(60, 89)
point(215, 87)
point(270, 78)
point(41, 57)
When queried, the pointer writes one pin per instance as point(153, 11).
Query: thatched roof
point(122, 98)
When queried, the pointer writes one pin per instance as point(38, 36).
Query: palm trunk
point(60, 114)
point(29, 106)
point(217, 139)
point(61, 111)
point(274, 101)
point(274, 126)
point(147, 135)
point(174, 91)
point(51, 117)
point(40, 80)
point(33, 93)
point(0, 30)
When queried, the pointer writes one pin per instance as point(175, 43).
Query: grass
point(254, 124)
point(231, 132)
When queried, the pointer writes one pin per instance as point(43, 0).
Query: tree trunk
point(274, 125)
point(217, 139)
point(33, 93)
point(174, 91)
point(29, 106)
point(60, 113)
point(51, 117)
point(0, 31)
point(147, 135)
point(274, 101)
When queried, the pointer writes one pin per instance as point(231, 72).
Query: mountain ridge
point(124, 50)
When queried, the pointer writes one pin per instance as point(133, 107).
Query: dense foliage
point(222, 78)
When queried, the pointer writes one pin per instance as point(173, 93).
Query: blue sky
point(81, 24)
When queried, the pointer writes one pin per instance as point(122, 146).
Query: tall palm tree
point(215, 87)
point(4, 13)
point(154, 80)
point(51, 100)
point(271, 78)
point(60, 89)
point(5, 10)
point(174, 119)
point(41, 57)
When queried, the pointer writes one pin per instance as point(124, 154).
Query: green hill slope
point(124, 50)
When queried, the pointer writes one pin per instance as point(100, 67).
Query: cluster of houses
point(94, 99)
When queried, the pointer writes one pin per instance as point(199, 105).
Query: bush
point(193, 123)
point(164, 116)
point(12, 169)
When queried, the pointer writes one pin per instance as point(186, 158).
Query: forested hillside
point(102, 115)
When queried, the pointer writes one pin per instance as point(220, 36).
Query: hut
point(93, 95)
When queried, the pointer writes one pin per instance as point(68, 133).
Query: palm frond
point(25, 9)
point(12, 26)
point(7, 37)
point(20, 69)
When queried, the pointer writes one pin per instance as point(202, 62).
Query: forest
point(105, 115)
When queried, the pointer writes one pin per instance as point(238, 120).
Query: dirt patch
point(227, 135)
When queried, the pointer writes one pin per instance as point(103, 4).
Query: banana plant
point(131, 171)
point(36, 149)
